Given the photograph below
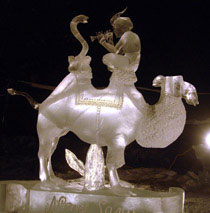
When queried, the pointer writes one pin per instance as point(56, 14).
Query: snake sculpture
point(80, 63)
point(117, 126)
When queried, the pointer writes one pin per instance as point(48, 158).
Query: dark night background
point(36, 42)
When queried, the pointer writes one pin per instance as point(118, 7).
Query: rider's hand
point(102, 40)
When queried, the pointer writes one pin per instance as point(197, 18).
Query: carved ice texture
point(16, 197)
point(33, 200)
point(94, 169)
point(74, 162)
point(164, 122)
point(114, 116)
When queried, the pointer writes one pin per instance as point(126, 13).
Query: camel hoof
point(126, 184)
point(46, 185)
point(122, 191)
point(58, 181)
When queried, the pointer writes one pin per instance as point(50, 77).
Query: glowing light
point(208, 140)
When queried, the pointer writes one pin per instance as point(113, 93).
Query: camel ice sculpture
point(108, 117)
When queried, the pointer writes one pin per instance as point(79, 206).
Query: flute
point(108, 36)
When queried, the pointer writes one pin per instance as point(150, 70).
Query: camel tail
point(33, 103)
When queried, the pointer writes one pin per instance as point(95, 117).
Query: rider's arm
point(111, 48)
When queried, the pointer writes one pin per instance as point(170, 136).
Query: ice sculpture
point(114, 116)
point(94, 169)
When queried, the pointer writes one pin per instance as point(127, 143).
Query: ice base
point(28, 196)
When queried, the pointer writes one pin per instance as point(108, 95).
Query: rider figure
point(124, 57)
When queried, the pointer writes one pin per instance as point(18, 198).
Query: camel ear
point(157, 82)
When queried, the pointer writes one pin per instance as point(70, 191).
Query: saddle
point(108, 97)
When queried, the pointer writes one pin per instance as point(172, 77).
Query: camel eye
point(189, 94)
point(186, 92)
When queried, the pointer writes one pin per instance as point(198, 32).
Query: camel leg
point(53, 178)
point(44, 154)
point(49, 163)
point(46, 150)
point(114, 160)
point(47, 146)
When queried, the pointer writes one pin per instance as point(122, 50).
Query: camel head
point(165, 120)
point(175, 85)
point(189, 93)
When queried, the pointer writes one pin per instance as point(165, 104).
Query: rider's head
point(121, 24)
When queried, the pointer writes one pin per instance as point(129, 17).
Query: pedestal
point(24, 197)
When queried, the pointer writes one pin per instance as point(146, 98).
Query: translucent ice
point(95, 201)
point(74, 162)
point(94, 169)
point(113, 117)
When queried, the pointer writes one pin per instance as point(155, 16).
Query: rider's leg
point(115, 61)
